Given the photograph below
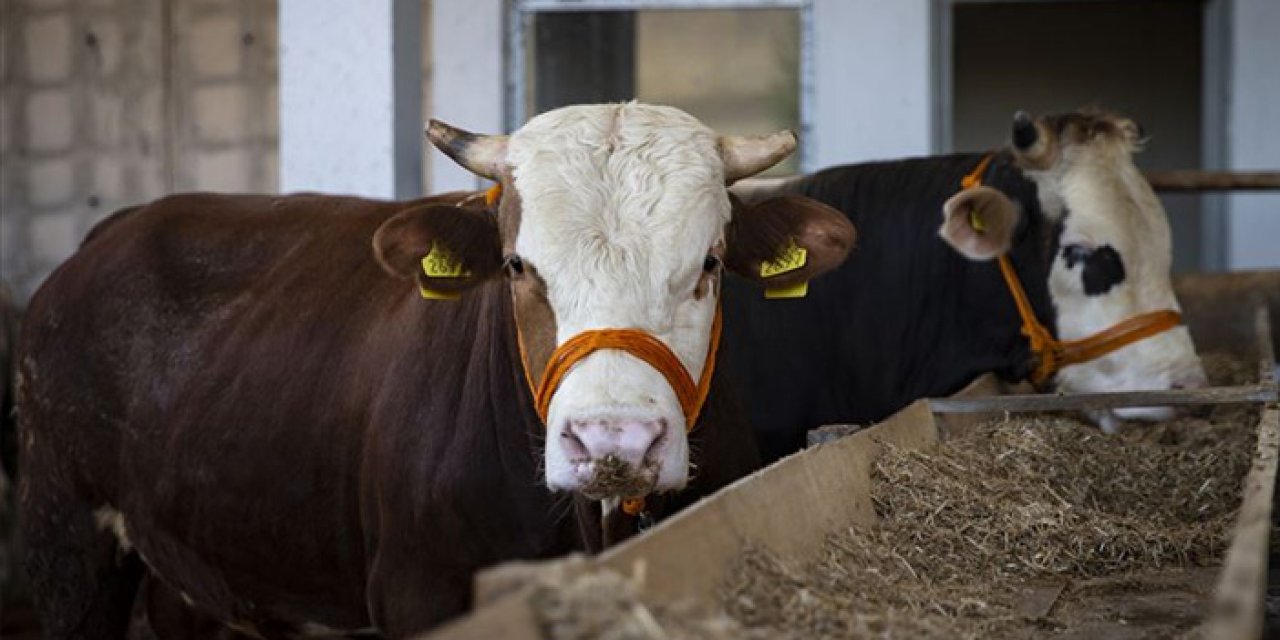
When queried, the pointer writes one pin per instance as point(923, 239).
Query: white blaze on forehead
point(619, 206)
point(1101, 199)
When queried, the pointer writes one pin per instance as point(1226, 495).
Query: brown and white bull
point(229, 393)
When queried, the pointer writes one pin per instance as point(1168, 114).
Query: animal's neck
point(470, 346)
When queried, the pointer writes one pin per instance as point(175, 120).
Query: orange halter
point(1051, 354)
point(641, 344)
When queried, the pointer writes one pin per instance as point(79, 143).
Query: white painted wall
point(873, 80)
point(1254, 142)
point(350, 97)
point(467, 48)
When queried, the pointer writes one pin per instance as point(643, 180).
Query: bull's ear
point(785, 241)
point(979, 222)
point(445, 249)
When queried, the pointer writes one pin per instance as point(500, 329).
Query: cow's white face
point(623, 216)
point(615, 217)
point(1113, 255)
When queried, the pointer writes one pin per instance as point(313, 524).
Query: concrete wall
point(874, 81)
point(1253, 135)
point(351, 97)
point(111, 103)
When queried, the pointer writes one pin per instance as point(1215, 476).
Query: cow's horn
point(479, 154)
point(748, 155)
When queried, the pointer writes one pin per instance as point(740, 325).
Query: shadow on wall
point(13, 584)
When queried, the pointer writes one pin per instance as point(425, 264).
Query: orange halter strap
point(691, 395)
point(654, 352)
point(1051, 354)
point(643, 345)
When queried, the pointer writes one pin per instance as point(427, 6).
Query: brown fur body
point(290, 434)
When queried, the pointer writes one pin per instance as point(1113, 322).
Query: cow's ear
point(445, 249)
point(785, 241)
point(979, 222)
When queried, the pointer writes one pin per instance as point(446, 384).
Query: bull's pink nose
point(629, 439)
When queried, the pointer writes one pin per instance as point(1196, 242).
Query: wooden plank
point(1083, 401)
point(1241, 593)
point(1195, 180)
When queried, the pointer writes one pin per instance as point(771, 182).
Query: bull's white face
point(1113, 255)
point(616, 217)
point(620, 208)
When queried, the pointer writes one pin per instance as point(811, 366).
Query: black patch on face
point(1103, 267)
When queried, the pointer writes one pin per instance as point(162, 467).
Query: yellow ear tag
point(976, 221)
point(794, 257)
point(441, 264)
point(798, 290)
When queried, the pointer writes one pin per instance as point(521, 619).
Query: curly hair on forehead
point(1090, 122)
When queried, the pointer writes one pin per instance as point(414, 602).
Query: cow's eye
point(514, 265)
point(710, 264)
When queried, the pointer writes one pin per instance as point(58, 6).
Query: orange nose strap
point(1051, 354)
point(692, 396)
point(642, 345)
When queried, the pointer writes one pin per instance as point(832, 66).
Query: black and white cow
point(921, 308)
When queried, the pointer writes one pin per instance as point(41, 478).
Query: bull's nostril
point(659, 439)
point(574, 449)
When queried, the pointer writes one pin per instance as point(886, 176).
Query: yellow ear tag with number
point(976, 221)
point(441, 264)
point(794, 257)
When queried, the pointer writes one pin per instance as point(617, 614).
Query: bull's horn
point(748, 155)
point(479, 154)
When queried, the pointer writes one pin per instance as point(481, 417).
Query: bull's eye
point(514, 265)
point(710, 264)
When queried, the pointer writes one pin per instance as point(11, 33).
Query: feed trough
point(689, 576)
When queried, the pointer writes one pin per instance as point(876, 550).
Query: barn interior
point(108, 104)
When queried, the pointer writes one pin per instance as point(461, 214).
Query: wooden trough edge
point(1240, 595)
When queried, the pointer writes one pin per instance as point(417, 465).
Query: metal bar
point(1081, 401)
point(1197, 180)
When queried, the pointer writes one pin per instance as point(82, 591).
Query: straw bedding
point(1026, 526)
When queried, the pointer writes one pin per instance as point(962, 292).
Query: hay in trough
point(972, 531)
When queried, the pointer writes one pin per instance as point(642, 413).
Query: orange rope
point(640, 344)
point(974, 178)
point(493, 195)
point(1052, 354)
point(633, 506)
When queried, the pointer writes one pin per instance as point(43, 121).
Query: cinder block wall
point(108, 103)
